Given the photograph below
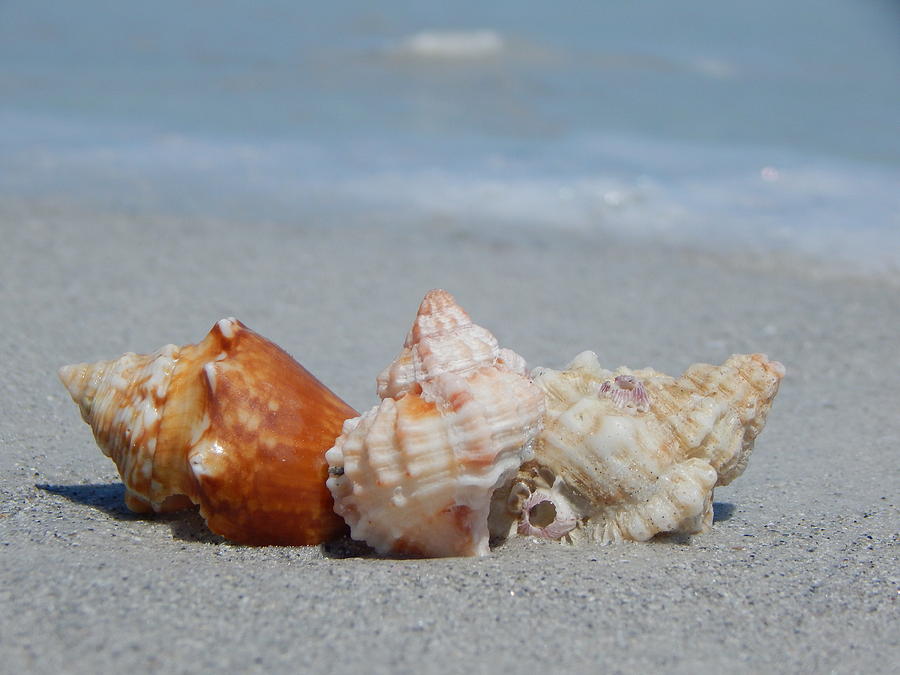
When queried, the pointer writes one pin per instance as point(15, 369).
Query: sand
point(799, 573)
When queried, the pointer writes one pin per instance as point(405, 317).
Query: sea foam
point(434, 44)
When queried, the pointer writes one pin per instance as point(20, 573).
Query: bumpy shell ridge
point(121, 399)
point(443, 339)
point(638, 452)
point(415, 475)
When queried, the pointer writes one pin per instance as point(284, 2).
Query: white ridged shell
point(443, 339)
point(415, 474)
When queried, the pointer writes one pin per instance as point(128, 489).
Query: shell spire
point(81, 380)
point(231, 423)
point(415, 474)
point(442, 339)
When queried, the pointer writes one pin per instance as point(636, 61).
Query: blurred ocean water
point(771, 125)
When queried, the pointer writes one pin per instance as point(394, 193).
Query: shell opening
point(542, 514)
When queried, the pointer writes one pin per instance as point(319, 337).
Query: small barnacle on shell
point(626, 391)
point(546, 514)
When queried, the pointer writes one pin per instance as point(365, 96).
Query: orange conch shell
point(232, 423)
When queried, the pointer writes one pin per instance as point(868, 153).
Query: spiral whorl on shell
point(415, 474)
point(635, 453)
point(232, 423)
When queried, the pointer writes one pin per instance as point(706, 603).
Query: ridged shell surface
point(635, 453)
point(232, 423)
point(415, 474)
point(442, 339)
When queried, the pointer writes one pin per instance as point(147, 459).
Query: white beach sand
point(799, 573)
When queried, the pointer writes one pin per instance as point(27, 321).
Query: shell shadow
point(186, 525)
point(671, 538)
point(107, 497)
point(722, 511)
point(344, 547)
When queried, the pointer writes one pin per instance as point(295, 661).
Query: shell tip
point(435, 299)
point(72, 377)
point(228, 327)
point(778, 368)
point(775, 367)
point(78, 380)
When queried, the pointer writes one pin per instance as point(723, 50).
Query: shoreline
point(760, 257)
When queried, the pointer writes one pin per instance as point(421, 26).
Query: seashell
point(415, 474)
point(544, 513)
point(637, 453)
point(442, 339)
point(231, 423)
